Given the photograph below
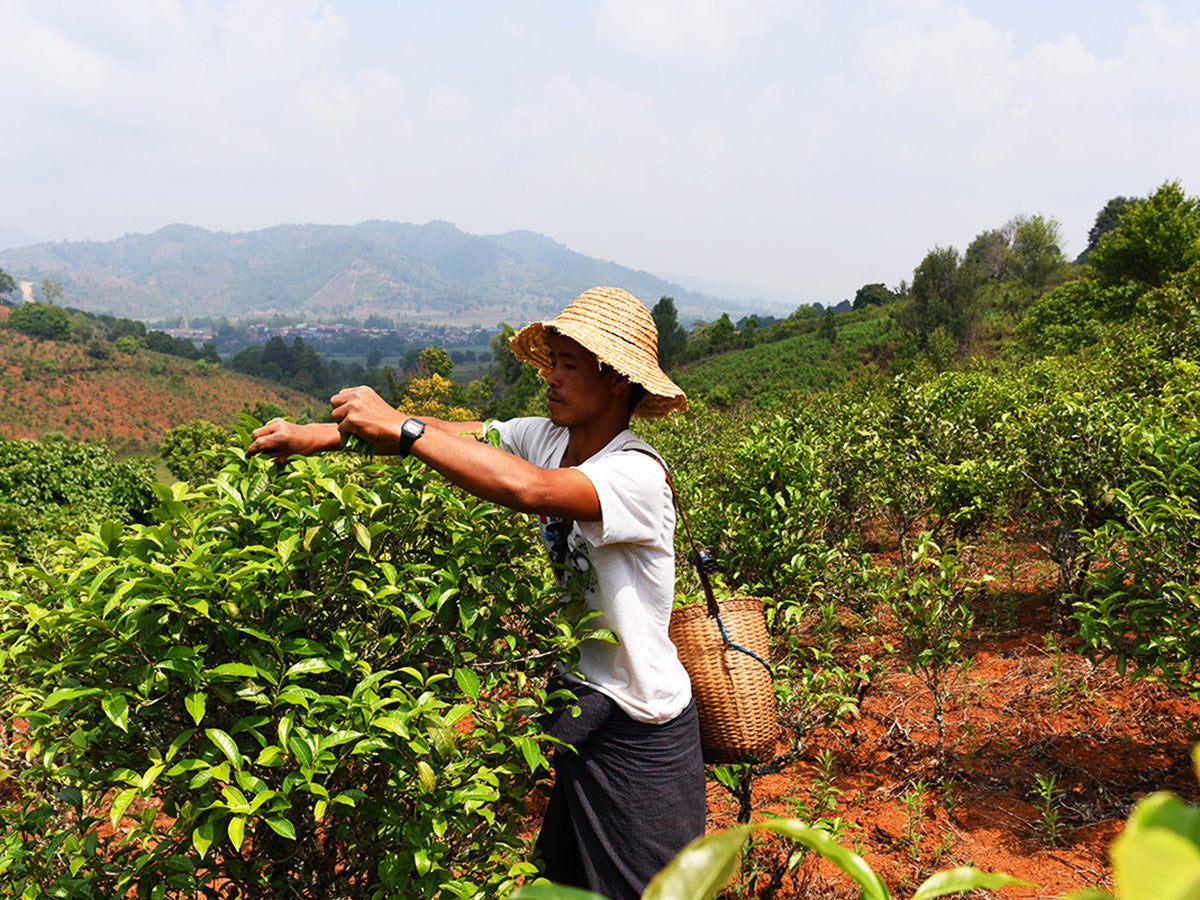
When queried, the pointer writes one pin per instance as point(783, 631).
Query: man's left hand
point(361, 411)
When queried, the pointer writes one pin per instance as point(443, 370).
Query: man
point(629, 779)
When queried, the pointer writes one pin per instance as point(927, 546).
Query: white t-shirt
point(630, 552)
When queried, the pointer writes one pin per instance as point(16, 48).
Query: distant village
point(414, 335)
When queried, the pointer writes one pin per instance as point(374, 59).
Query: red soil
point(127, 401)
point(1023, 711)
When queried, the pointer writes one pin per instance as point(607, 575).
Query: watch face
point(409, 432)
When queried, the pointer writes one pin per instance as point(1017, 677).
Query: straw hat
point(615, 326)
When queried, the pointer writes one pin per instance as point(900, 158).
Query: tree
point(943, 295)
point(1155, 238)
point(721, 334)
point(507, 364)
point(989, 253)
point(51, 290)
point(1106, 220)
point(434, 361)
point(672, 339)
point(874, 294)
point(749, 333)
point(828, 328)
point(1037, 250)
point(7, 285)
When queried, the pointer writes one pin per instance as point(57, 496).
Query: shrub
point(60, 487)
point(191, 450)
point(1141, 605)
point(40, 320)
point(307, 682)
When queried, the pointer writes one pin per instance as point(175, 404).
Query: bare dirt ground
point(1030, 709)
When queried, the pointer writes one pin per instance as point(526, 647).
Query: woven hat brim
point(637, 360)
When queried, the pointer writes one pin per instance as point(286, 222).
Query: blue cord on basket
point(721, 626)
point(705, 565)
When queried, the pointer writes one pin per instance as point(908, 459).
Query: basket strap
point(702, 561)
point(704, 564)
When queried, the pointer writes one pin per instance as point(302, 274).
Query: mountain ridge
point(433, 272)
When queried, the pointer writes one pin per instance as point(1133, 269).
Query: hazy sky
point(804, 147)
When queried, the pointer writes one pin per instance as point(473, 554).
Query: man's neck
point(585, 441)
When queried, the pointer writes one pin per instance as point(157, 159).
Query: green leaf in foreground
point(964, 879)
point(544, 890)
point(701, 869)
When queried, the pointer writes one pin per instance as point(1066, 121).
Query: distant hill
point(431, 273)
point(16, 237)
point(127, 401)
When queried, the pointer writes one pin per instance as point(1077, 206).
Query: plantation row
point(1094, 458)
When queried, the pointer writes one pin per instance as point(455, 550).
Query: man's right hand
point(281, 439)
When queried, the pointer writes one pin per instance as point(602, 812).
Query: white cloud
point(656, 29)
point(958, 54)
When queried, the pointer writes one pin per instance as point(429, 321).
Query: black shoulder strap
point(699, 560)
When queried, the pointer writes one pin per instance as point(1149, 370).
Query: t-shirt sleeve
point(633, 499)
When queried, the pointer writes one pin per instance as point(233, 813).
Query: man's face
point(577, 392)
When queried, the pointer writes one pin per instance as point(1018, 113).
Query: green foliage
point(930, 599)
point(943, 294)
point(787, 359)
point(1156, 237)
point(51, 290)
point(297, 365)
point(721, 334)
point(41, 320)
point(1047, 795)
point(1037, 250)
point(1106, 220)
point(1172, 314)
point(1066, 319)
point(434, 361)
point(58, 488)
point(303, 681)
point(1064, 439)
point(191, 450)
point(876, 294)
point(990, 254)
point(7, 284)
point(672, 339)
point(1141, 604)
point(161, 342)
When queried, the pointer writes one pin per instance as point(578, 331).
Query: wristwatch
point(409, 432)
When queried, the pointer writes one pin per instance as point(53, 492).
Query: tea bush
point(1141, 605)
point(315, 681)
point(60, 487)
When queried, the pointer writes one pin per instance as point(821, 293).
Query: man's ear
point(618, 384)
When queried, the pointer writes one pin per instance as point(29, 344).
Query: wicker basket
point(734, 694)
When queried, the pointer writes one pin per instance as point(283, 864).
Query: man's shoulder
point(630, 454)
point(525, 435)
